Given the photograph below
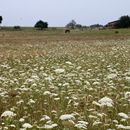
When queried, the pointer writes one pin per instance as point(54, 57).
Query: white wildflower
point(50, 126)
point(22, 129)
point(92, 117)
point(123, 127)
point(106, 101)
point(128, 78)
point(96, 83)
point(27, 125)
point(20, 102)
point(68, 123)
point(45, 118)
point(81, 125)
point(123, 120)
point(79, 67)
point(12, 125)
point(78, 82)
point(35, 77)
point(65, 84)
point(21, 120)
point(68, 62)
point(83, 122)
point(5, 128)
point(47, 93)
point(123, 115)
point(127, 95)
point(58, 71)
point(112, 76)
point(97, 123)
point(67, 117)
point(8, 114)
point(31, 101)
point(57, 99)
point(49, 78)
point(115, 121)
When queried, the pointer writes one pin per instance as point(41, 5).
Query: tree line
point(122, 22)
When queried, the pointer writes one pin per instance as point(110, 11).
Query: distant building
point(112, 24)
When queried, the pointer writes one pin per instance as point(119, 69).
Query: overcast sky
point(60, 12)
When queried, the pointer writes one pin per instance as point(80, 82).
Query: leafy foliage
point(1, 19)
point(123, 22)
point(96, 26)
point(71, 24)
point(41, 25)
point(78, 26)
point(17, 27)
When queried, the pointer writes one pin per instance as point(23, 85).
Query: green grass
point(58, 30)
point(54, 74)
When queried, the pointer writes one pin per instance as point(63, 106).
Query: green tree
point(71, 24)
point(96, 26)
point(41, 25)
point(1, 19)
point(78, 26)
point(123, 22)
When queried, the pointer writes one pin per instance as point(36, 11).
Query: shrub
point(116, 32)
point(17, 27)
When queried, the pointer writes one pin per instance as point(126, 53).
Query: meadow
point(57, 81)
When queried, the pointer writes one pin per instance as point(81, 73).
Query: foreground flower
point(67, 117)
point(67, 120)
point(45, 118)
point(27, 125)
point(49, 126)
point(123, 115)
point(59, 71)
point(96, 123)
point(106, 101)
point(112, 76)
point(123, 127)
point(128, 79)
point(81, 125)
point(127, 95)
point(21, 120)
point(8, 114)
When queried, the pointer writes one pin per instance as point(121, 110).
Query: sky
point(60, 12)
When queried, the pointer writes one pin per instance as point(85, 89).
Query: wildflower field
point(64, 82)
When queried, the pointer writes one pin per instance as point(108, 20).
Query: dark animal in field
point(67, 31)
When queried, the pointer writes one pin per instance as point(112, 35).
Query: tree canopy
point(96, 26)
point(41, 25)
point(123, 22)
point(1, 19)
point(71, 24)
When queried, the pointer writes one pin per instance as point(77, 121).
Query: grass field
point(57, 81)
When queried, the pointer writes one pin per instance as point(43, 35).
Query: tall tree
point(71, 24)
point(41, 25)
point(123, 22)
point(1, 19)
